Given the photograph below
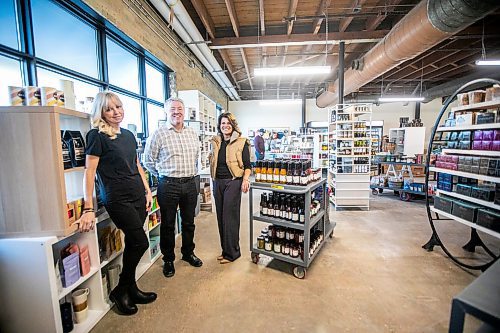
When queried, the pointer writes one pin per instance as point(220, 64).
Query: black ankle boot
point(139, 296)
point(124, 303)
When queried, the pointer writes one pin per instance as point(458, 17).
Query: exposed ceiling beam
point(208, 23)
point(205, 18)
point(374, 21)
point(262, 18)
point(292, 7)
point(320, 11)
point(236, 28)
point(348, 37)
point(344, 22)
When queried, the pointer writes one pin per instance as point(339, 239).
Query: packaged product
point(32, 95)
point(49, 96)
point(17, 96)
point(76, 145)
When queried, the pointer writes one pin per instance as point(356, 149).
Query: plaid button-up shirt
point(171, 153)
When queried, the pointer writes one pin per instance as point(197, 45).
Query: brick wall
point(136, 19)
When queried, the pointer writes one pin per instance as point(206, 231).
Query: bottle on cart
point(296, 173)
point(263, 204)
point(270, 170)
point(270, 206)
point(283, 170)
point(276, 172)
point(276, 205)
point(263, 171)
point(302, 217)
point(303, 174)
point(289, 173)
point(282, 207)
point(257, 171)
point(295, 211)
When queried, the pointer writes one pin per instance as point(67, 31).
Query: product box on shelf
point(465, 210)
point(49, 96)
point(32, 95)
point(489, 218)
point(463, 189)
point(483, 193)
point(443, 203)
point(476, 96)
point(485, 118)
point(17, 96)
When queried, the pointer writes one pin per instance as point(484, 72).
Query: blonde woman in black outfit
point(111, 155)
point(230, 170)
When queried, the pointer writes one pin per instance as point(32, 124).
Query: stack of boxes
point(486, 140)
point(472, 164)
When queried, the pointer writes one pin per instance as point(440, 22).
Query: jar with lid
point(286, 249)
point(264, 232)
point(294, 251)
point(260, 242)
point(268, 244)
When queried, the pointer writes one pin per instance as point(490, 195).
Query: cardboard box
point(32, 95)
point(206, 197)
point(49, 96)
point(70, 207)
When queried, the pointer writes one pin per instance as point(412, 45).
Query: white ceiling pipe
point(188, 32)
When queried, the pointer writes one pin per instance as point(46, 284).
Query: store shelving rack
point(475, 239)
point(351, 188)
point(322, 218)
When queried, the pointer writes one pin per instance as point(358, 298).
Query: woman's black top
point(222, 171)
point(118, 177)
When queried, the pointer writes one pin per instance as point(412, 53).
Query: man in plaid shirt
point(171, 153)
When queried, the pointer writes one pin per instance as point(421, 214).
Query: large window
point(132, 113)
point(123, 69)
point(68, 41)
point(8, 24)
point(155, 114)
point(10, 75)
point(155, 83)
point(63, 39)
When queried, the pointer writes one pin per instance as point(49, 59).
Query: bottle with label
point(282, 207)
point(270, 169)
point(270, 206)
point(296, 173)
point(283, 171)
point(276, 205)
point(288, 213)
point(257, 171)
point(263, 171)
point(302, 217)
point(276, 172)
point(303, 174)
point(289, 173)
point(295, 211)
point(263, 204)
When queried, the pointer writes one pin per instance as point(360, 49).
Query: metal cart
point(299, 264)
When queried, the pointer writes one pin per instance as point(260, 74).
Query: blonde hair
point(100, 105)
point(232, 121)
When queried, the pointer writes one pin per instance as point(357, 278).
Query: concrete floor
point(373, 276)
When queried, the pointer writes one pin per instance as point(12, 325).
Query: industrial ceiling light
point(280, 102)
point(294, 70)
point(401, 99)
point(485, 62)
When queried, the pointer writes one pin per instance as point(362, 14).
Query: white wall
point(251, 115)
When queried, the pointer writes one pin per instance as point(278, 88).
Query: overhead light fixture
point(488, 62)
point(401, 99)
point(280, 102)
point(294, 70)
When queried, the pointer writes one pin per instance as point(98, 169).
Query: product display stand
point(350, 155)
point(38, 210)
point(434, 214)
point(321, 219)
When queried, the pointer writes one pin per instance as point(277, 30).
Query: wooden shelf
point(467, 223)
point(477, 106)
point(488, 153)
point(489, 204)
point(77, 169)
point(469, 127)
point(466, 174)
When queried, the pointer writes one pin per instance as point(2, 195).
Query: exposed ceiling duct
point(187, 31)
point(428, 24)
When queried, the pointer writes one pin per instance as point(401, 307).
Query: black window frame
point(104, 29)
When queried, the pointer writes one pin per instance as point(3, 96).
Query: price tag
point(278, 187)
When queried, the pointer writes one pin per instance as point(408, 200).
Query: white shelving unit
point(34, 194)
point(320, 150)
point(350, 155)
point(409, 140)
point(200, 107)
